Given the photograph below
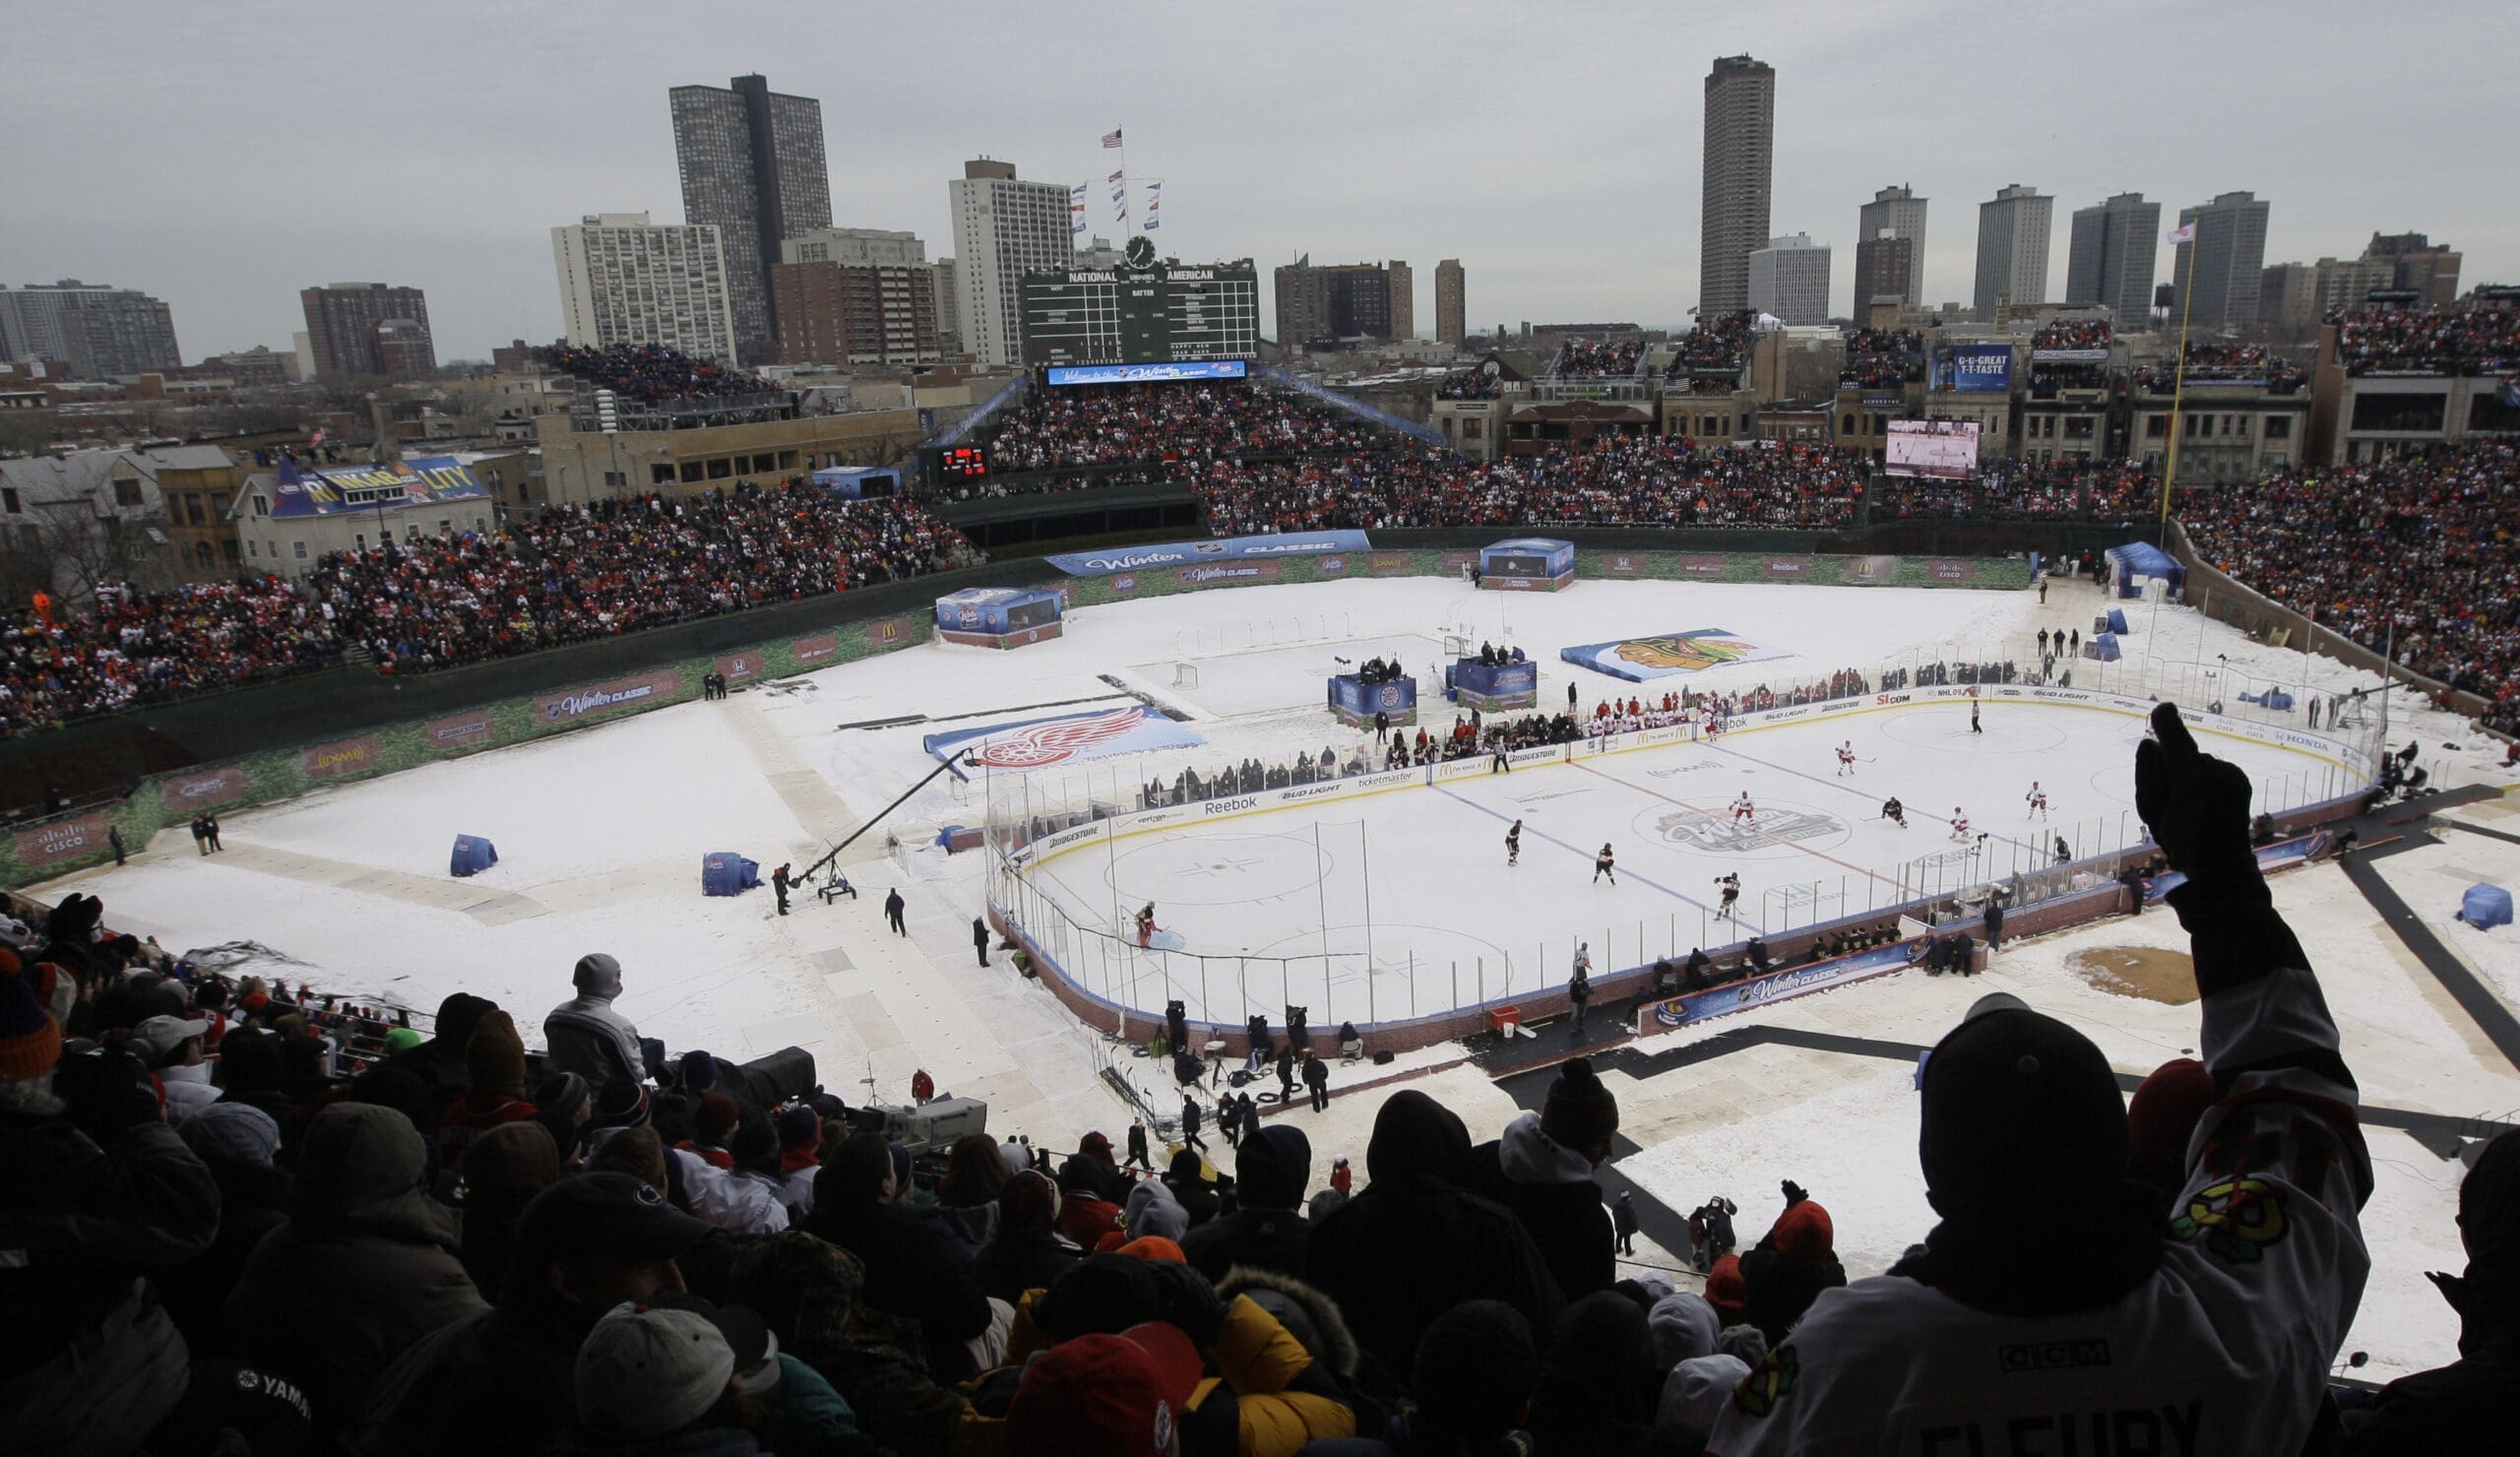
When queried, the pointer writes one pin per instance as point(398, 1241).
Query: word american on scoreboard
point(1125, 375)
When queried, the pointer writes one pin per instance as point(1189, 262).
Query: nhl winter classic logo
point(1710, 834)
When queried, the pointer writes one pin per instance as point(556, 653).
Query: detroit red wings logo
point(1059, 741)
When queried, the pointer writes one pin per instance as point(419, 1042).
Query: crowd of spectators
point(1610, 480)
point(2412, 556)
point(2469, 338)
point(1719, 346)
point(1475, 383)
point(1173, 423)
point(1882, 358)
point(654, 374)
point(2071, 334)
point(579, 572)
point(2215, 363)
point(136, 648)
point(1592, 359)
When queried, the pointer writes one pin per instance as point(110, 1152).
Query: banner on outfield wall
point(1228, 548)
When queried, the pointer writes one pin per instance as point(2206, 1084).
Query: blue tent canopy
point(2485, 904)
point(473, 855)
point(2140, 559)
point(727, 873)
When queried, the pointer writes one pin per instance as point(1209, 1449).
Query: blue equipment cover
point(473, 855)
point(727, 873)
point(2485, 904)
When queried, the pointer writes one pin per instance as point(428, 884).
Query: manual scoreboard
point(1142, 312)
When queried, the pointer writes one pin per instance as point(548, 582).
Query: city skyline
point(1548, 209)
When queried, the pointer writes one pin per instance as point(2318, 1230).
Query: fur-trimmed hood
point(1309, 1316)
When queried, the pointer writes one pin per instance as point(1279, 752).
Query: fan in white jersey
point(1958, 823)
point(2037, 800)
point(1743, 809)
point(1846, 757)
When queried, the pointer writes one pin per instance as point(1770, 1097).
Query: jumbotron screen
point(1143, 312)
point(1946, 450)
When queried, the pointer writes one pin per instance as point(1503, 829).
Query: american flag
point(1111, 138)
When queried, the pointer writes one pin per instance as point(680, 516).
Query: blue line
point(1562, 844)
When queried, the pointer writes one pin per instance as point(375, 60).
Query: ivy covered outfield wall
point(58, 846)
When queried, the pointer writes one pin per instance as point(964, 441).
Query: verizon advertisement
point(1944, 450)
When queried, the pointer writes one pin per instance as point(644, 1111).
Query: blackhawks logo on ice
point(1684, 652)
point(1693, 829)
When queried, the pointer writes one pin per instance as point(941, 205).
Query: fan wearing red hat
point(2062, 1293)
point(1123, 1394)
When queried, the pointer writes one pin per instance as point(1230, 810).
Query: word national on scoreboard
point(1146, 311)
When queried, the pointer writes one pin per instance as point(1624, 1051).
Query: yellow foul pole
point(2179, 380)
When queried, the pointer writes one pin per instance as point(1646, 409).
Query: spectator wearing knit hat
point(1115, 1394)
point(503, 1170)
point(1269, 1231)
point(94, 1191)
point(659, 1377)
point(236, 1144)
point(1793, 1262)
point(1026, 1252)
point(585, 1036)
point(799, 1130)
point(365, 1268)
point(496, 1093)
point(713, 1127)
point(912, 1269)
point(1541, 1169)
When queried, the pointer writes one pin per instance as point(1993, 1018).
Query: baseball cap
point(603, 1216)
point(747, 1335)
point(163, 1034)
point(1104, 1394)
point(648, 1370)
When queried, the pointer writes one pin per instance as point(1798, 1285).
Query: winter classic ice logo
point(1728, 835)
point(1059, 741)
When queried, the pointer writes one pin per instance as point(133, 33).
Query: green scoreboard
point(1146, 311)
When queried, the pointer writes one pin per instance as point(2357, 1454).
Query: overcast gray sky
point(223, 156)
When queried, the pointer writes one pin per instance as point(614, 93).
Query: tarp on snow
point(2485, 904)
point(2104, 648)
point(727, 873)
point(473, 855)
point(2117, 619)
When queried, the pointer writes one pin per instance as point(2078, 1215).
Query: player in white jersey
point(1958, 823)
point(1846, 757)
point(2037, 800)
point(2060, 1307)
point(1743, 809)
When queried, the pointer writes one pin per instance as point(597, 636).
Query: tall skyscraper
point(99, 332)
point(1403, 299)
point(2225, 261)
point(1452, 317)
point(1894, 213)
point(2012, 249)
point(1741, 154)
point(948, 308)
point(855, 295)
point(1790, 278)
point(625, 279)
point(1003, 230)
point(1345, 301)
point(346, 327)
point(2112, 256)
point(1884, 266)
point(752, 164)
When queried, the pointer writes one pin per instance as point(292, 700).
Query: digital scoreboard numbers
point(1143, 312)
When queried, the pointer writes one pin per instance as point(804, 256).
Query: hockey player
point(1602, 866)
point(1514, 844)
point(2037, 800)
point(1744, 811)
point(1894, 811)
point(1730, 884)
point(1972, 718)
point(1846, 757)
point(1958, 823)
point(1145, 925)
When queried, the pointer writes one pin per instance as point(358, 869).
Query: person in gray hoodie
point(585, 1036)
point(1541, 1169)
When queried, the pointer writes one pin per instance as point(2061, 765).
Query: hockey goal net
point(1185, 675)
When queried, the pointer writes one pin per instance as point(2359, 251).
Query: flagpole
point(2178, 379)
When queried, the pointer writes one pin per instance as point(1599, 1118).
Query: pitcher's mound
point(2137, 971)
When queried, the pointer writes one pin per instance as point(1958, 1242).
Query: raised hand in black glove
point(1794, 1193)
point(1187, 1301)
point(108, 1091)
point(2196, 805)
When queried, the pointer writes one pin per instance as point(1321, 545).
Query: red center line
point(1788, 843)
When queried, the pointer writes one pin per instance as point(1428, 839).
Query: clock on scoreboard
point(1147, 310)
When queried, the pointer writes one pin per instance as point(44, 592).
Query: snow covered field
point(602, 833)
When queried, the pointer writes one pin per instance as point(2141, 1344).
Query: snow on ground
point(602, 833)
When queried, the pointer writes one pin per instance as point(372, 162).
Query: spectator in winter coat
point(2466, 1406)
point(1599, 1381)
point(1154, 1209)
point(657, 1378)
point(1188, 1180)
point(503, 1170)
point(236, 1143)
point(1093, 1166)
point(912, 1270)
point(496, 1093)
point(811, 1293)
point(585, 1036)
point(1085, 1216)
point(800, 1131)
point(505, 1383)
point(1416, 1243)
point(174, 1046)
point(2220, 1320)
point(1471, 1390)
point(95, 1193)
point(1269, 1231)
point(440, 1061)
point(365, 1270)
point(1541, 1169)
point(1791, 1265)
point(1025, 1253)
